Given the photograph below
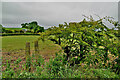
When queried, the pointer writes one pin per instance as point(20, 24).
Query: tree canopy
point(33, 26)
point(78, 39)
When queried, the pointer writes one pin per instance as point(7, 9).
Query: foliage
point(91, 50)
point(33, 27)
point(79, 39)
point(12, 30)
point(1, 28)
point(55, 68)
point(19, 34)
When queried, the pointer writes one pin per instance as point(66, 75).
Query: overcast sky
point(53, 13)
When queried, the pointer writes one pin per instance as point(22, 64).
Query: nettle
point(85, 40)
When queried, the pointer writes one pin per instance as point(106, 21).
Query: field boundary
point(15, 34)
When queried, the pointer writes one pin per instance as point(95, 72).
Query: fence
point(28, 54)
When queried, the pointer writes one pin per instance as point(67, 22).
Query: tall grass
point(55, 68)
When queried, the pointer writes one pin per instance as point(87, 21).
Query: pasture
point(13, 47)
point(15, 43)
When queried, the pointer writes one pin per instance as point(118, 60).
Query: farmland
point(16, 45)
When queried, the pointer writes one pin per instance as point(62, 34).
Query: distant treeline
point(30, 28)
point(16, 34)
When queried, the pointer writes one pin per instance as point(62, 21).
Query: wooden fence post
point(36, 47)
point(27, 52)
point(36, 51)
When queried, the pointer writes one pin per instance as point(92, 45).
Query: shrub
point(8, 31)
point(16, 31)
point(21, 31)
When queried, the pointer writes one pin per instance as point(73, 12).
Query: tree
point(24, 25)
point(2, 29)
point(40, 29)
point(79, 39)
point(33, 26)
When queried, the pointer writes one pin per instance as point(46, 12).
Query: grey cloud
point(53, 13)
point(119, 11)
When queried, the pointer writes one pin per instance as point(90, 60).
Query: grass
point(54, 68)
point(10, 43)
point(14, 28)
point(13, 47)
point(16, 42)
point(13, 62)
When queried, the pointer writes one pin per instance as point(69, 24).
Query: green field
point(16, 42)
point(14, 28)
point(14, 47)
